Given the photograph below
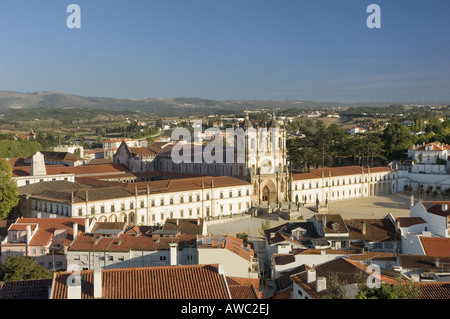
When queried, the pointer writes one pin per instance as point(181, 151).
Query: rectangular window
point(142, 204)
point(113, 208)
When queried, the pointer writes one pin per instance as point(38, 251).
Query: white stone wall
point(343, 187)
point(153, 208)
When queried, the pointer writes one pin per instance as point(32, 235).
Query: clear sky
point(319, 50)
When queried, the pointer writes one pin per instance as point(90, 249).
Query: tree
point(22, 268)
point(399, 290)
point(335, 289)
point(397, 140)
point(264, 226)
point(243, 236)
point(9, 192)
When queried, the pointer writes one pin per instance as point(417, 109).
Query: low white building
point(73, 149)
point(109, 245)
point(429, 158)
point(238, 259)
point(148, 203)
point(342, 183)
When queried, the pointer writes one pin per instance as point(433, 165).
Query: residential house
point(45, 239)
point(429, 158)
point(111, 245)
point(238, 259)
point(313, 283)
point(282, 239)
point(333, 229)
point(376, 234)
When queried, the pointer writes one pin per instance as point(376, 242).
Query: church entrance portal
point(266, 194)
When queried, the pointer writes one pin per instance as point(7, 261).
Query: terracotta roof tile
point(171, 282)
point(433, 290)
point(185, 226)
point(409, 221)
point(47, 227)
point(376, 230)
point(436, 246)
point(338, 171)
point(436, 207)
point(128, 241)
point(25, 289)
point(425, 263)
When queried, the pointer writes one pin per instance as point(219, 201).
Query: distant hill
point(158, 106)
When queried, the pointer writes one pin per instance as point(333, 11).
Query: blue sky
point(319, 50)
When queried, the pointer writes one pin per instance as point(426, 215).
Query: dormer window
point(335, 226)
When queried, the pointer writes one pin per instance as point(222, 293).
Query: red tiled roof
point(433, 290)
point(244, 288)
point(185, 226)
point(376, 230)
point(409, 221)
point(436, 246)
point(47, 228)
point(25, 289)
point(338, 171)
point(77, 170)
point(435, 207)
point(127, 241)
point(168, 282)
point(343, 268)
point(434, 147)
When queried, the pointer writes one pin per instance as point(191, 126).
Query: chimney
point(310, 276)
point(199, 221)
point(74, 286)
point(436, 262)
point(220, 269)
point(321, 284)
point(415, 277)
point(173, 254)
point(363, 227)
point(444, 207)
point(98, 289)
point(28, 228)
point(75, 230)
point(324, 221)
point(272, 235)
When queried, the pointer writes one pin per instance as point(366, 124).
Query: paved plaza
point(372, 207)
